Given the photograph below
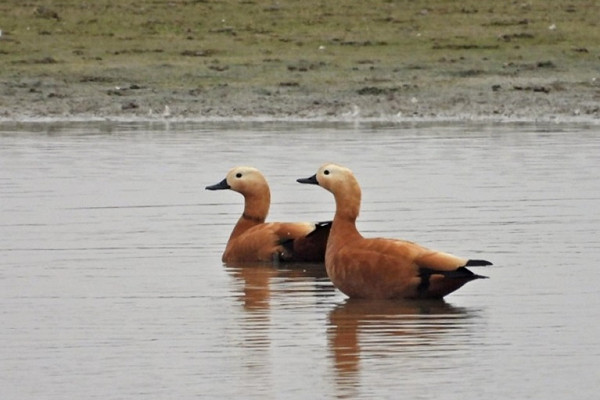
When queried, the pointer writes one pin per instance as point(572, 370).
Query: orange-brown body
point(253, 239)
point(382, 268)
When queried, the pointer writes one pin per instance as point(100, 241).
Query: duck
point(254, 240)
point(382, 268)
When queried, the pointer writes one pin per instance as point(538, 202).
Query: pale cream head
point(334, 176)
point(341, 182)
point(246, 180)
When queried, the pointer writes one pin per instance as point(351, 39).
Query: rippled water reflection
point(111, 284)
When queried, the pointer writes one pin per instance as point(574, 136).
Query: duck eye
point(326, 172)
point(238, 175)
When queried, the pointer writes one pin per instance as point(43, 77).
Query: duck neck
point(256, 209)
point(346, 212)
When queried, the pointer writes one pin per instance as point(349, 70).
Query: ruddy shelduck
point(381, 268)
point(253, 239)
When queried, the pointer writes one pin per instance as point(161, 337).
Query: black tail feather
point(453, 280)
point(310, 248)
point(319, 226)
point(477, 263)
point(458, 273)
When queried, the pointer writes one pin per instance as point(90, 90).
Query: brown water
point(111, 284)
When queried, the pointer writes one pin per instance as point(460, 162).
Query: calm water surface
point(111, 284)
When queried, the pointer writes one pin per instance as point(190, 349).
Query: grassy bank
point(374, 48)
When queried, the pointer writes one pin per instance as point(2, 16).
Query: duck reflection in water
point(256, 285)
point(257, 281)
point(360, 329)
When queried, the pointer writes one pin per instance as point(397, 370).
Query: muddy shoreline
point(495, 101)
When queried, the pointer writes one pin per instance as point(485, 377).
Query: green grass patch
point(196, 43)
